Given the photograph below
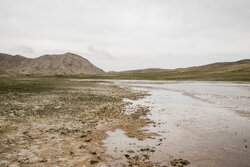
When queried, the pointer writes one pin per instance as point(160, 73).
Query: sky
point(118, 35)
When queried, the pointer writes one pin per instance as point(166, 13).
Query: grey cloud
point(120, 30)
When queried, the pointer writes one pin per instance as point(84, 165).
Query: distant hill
point(72, 64)
point(47, 65)
point(222, 71)
point(153, 70)
point(141, 70)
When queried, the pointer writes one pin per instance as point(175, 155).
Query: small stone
point(145, 149)
point(126, 155)
point(93, 161)
point(88, 140)
point(136, 158)
point(146, 156)
point(93, 153)
point(130, 151)
point(81, 147)
point(63, 133)
point(82, 136)
point(179, 162)
point(44, 160)
point(184, 162)
point(25, 161)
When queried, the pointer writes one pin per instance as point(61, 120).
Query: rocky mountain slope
point(60, 64)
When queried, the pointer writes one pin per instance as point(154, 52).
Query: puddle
point(196, 121)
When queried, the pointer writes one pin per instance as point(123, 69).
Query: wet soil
point(195, 121)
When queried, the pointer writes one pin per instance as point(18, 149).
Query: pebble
point(93, 162)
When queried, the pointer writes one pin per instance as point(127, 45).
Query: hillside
point(47, 65)
point(70, 64)
point(224, 71)
point(8, 63)
point(142, 70)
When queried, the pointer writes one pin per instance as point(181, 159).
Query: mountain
point(237, 64)
point(72, 64)
point(47, 65)
point(222, 71)
point(142, 70)
point(9, 62)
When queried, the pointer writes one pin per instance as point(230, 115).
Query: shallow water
point(196, 121)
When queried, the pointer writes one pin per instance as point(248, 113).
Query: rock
point(126, 155)
point(43, 160)
point(25, 133)
point(93, 153)
point(88, 140)
point(82, 146)
point(63, 133)
point(25, 160)
point(152, 150)
point(82, 136)
point(184, 162)
point(136, 157)
point(179, 162)
point(93, 161)
point(145, 149)
point(146, 157)
point(130, 151)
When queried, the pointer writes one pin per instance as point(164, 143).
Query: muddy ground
point(57, 122)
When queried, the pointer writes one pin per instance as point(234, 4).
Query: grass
point(56, 97)
point(27, 85)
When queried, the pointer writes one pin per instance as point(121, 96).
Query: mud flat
point(201, 123)
point(61, 122)
point(57, 122)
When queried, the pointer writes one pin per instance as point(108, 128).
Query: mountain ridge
point(70, 64)
point(47, 65)
point(153, 70)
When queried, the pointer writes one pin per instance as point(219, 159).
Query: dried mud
point(66, 126)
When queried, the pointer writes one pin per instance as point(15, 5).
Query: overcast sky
point(128, 34)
